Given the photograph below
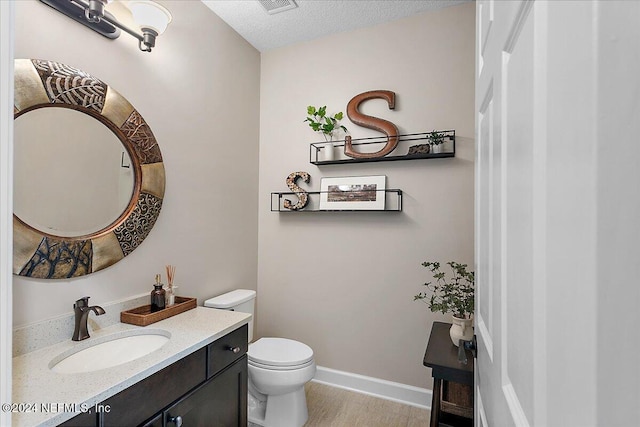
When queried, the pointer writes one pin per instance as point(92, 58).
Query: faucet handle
point(82, 302)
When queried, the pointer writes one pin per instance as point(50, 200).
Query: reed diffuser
point(171, 296)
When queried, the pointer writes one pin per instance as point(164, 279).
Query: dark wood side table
point(452, 402)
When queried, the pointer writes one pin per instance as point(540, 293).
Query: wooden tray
point(142, 316)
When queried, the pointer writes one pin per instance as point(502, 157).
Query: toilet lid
point(279, 352)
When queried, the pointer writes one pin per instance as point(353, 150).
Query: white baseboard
point(396, 392)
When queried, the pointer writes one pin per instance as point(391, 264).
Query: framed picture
point(353, 193)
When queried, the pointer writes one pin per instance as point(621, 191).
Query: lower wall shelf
point(324, 201)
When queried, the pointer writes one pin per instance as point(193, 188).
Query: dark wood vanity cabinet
point(206, 388)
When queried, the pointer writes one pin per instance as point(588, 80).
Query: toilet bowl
point(278, 370)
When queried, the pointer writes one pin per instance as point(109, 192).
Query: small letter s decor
point(371, 122)
point(303, 197)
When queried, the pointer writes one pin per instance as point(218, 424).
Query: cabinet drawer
point(221, 352)
point(141, 401)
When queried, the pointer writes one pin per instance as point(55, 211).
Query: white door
point(557, 213)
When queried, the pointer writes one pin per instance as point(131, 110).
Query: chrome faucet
point(82, 310)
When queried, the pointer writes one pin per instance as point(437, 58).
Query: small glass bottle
point(157, 296)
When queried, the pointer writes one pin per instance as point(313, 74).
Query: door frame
point(7, 9)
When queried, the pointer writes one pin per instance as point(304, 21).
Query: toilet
point(278, 370)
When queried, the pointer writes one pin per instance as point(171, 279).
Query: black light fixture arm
point(94, 12)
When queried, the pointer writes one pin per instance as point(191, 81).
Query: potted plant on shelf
point(328, 125)
point(436, 140)
point(455, 296)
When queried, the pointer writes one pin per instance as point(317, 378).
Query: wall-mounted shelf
point(392, 198)
point(332, 153)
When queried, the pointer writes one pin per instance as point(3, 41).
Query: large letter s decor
point(370, 122)
point(302, 195)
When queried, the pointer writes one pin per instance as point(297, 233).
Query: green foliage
point(454, 296)
point(436, 138)
point(319, 121)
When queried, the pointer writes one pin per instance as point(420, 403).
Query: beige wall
point(199, 92)
point(344, 282)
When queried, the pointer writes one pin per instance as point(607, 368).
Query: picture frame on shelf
point(353, 193)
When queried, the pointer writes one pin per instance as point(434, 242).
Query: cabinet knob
point(176, 420)
point(236, 350)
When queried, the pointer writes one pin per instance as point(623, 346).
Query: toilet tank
point(242, 300)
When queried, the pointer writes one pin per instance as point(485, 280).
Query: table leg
point(435, 402)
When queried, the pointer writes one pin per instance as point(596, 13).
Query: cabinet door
point(220, 402)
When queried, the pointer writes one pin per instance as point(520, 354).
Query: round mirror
point(92, 181)
point(89, 176)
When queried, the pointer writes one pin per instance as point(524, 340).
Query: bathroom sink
point(109, 351)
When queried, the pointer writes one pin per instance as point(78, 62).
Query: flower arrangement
point(319, 121)
point(436, 138)
point(454, 296)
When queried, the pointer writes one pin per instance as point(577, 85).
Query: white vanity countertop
point(39, 394)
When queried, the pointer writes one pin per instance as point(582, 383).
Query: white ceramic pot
point(328, 153)
point(461, 329)
point(436, 148)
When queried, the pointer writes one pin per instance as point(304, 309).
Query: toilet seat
point(280, 368)
point(279, 354)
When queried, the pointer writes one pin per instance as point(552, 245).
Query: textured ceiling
point(314, 18)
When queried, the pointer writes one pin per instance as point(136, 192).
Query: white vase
point(328, 153)
point(435, 149)
point(461, 329)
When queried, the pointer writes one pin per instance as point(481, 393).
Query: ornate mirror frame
point(43, 83)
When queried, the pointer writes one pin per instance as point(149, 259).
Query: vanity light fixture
point(151, 18)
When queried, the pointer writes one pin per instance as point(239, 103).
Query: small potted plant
point(436, 140)
point(328, 125)
point(455, 296)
